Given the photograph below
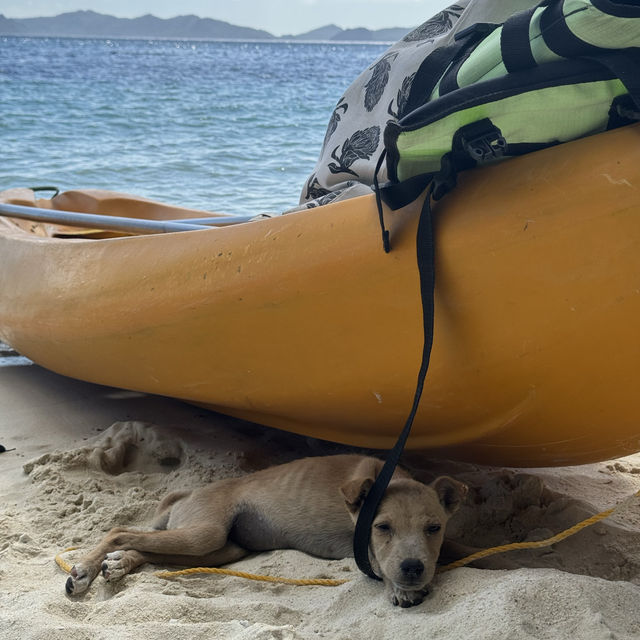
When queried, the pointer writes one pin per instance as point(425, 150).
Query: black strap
point(625, 64)
point(397, 195)
point(620, 8)
point(426, 266)
point(433, 67)
point(623, 111)
point(427, 76)
point(467, 39)
point(514, 42)
point(560, 39)
point(386, 244)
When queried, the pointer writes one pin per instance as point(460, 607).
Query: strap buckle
point(482, 141)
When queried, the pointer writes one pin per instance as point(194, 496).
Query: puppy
point(310, 504)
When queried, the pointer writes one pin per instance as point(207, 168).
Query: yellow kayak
point(302, 322)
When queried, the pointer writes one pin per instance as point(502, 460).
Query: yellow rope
point(325, 582)
point(322, 582)
point(62, 563)
point(538, 543)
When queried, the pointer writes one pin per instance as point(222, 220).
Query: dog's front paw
point(405, 598)
point(113, 566)
point(79, 580)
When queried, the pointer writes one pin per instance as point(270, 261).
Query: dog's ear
point(355, 491)
point(450, 492)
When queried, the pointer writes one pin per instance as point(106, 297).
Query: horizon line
point(183, 15)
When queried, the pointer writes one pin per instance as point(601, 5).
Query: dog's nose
point(412, 567)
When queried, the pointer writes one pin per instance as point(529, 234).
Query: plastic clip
point(486, 147)
point(482, 141)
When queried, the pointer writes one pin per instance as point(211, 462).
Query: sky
point(279, 17)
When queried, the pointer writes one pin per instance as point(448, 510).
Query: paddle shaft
point(115, 223)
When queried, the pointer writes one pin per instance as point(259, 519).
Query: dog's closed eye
point(383, 527)
point(432, 529)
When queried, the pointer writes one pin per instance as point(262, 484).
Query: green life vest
point(559, 71)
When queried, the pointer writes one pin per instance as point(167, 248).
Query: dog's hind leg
point(118, 563)
point(190, 541)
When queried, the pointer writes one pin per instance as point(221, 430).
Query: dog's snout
point(412, 567)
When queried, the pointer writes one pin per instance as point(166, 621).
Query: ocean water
point(234, 127)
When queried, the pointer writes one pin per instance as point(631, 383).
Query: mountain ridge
point(88, 24)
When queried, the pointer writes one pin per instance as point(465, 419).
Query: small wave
point(233, 127)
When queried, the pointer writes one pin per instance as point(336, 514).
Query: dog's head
point(408, 531)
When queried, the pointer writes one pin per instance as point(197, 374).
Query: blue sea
point(233, 127)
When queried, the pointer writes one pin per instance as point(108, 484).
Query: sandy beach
point(88, 458)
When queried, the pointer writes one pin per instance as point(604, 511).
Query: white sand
point(56, 493)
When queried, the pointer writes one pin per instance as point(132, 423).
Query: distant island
point(89, 24)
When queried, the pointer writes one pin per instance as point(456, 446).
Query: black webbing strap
point(560, 39)
point(397, 195)
point(624, 63)
point(428, 74)
point(514, 41)
point(619, 8)
point(466, 40)
point(433, 67)
point(386, 244)
point(426, 267)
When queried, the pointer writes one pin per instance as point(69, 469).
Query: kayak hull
point(302, 322)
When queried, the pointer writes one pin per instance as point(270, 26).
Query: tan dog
point(310, 505)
